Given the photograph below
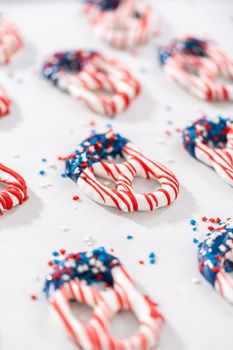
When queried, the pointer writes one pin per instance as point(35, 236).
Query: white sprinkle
point(52, 165)
point(196, 280)
point(16, 155)
point(89, 240)
point(99, 263)
point(80, 269)
point(65, 228)
point(92, 261)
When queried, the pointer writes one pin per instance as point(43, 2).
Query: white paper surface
point(46, 123)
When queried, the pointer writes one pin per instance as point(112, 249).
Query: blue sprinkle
point(193, 222)
point(63, 175)
point(42, 172)
point(152, 261)
point(56, 262)
point(55, 253)
point(143, 70)
point(44, 160)
point(195, 229)
point(152, 255)
point(228, 269)
point(195, 240)
point(129, 237)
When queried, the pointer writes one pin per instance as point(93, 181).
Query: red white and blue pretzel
point(16, 189)
point(128, 24)
point(94, 158)
point(104, 85)
point(215, 258)
point(10, 43)
point(72, 280)
point(196, 64)
point(211, 142)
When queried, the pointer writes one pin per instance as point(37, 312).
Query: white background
point(46, 123)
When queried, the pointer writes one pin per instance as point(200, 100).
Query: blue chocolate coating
point(92, 267)
point(72, 61)
point(190, 46)
point(94, 149)
point(212, 254)
point(207, 131)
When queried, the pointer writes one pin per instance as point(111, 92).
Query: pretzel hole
point(104, 92)
point(3, 187)
point(224, 80)
point(192, 70)
point(81, 311)
point(137, 15)
point(117, 160)
point(124, 324)
point(143, 185)
point(106, 182)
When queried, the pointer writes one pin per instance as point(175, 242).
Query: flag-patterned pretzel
point(216, 260)
point(93, 158)
point(124, 24)
point(16, 189)
point(196, 65)
point(10, 43)
point(104, 85)
point(211, 142)
point(72, 280)
point(5, 102)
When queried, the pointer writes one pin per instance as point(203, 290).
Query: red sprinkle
point(211, 228)
point(76, 198)
point(92, 123)
point(204, 218)
point(62, 251)
point(50, 263)
point(33, 297)
point(141, 262)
